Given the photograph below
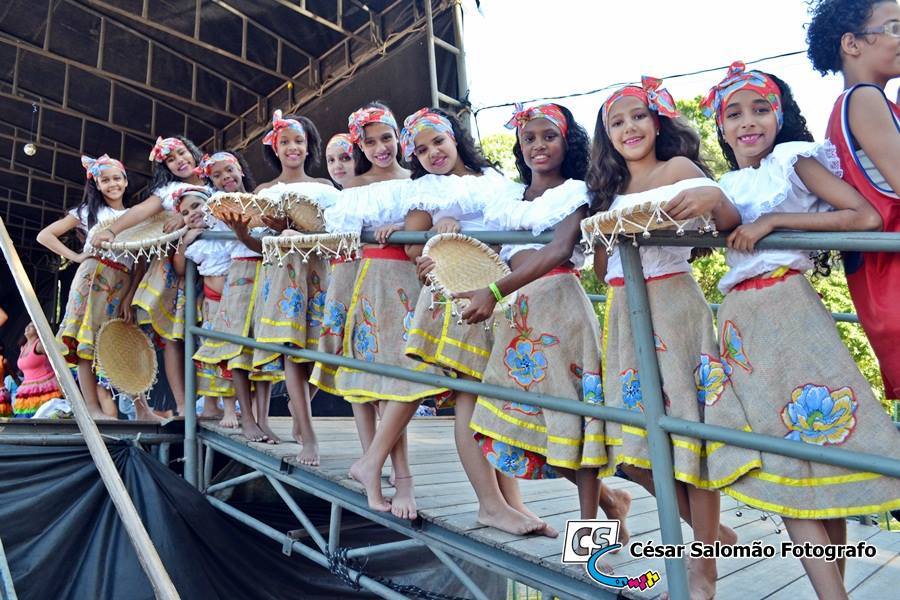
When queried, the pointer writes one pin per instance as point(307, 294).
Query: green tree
point(498, 148)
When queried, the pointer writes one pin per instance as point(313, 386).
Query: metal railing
point(657, 424)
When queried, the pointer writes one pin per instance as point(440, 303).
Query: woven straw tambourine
point(249, 205)
point(305, 213)
point(124, 353)
point(461, 264)
point(639, 218)
point(276, 248)
point(144, 239)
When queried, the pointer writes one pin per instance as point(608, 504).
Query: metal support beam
point(234, 481)
point(190, 380)
point(322, 20)
point(367, 551)
point(298, 512)
point(432, 61)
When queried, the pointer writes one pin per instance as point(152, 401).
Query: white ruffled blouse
point(105, 213)
point(656, 260)
point(322, 194)
point(774, 187)
point(543, 213)
point(213, 257)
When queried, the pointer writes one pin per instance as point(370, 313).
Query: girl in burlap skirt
point(102, 287)
point(338, 295)
point(159, 300)
point(645, 155)
point(779, 345)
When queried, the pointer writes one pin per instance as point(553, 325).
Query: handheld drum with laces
point(638, 216)
point(462, 263)
point(249, 205)
point(145, 239)
point(306, 213)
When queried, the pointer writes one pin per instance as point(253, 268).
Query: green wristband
point(496, 291)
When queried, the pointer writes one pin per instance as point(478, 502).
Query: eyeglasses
point(891, 28)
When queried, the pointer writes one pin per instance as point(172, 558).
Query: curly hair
point(469, 152)
point(313, 146)
point(161, 173)
point(363, 164)
point(793, 129)
point(577, 147)
point(831, 19)
point(608, 174)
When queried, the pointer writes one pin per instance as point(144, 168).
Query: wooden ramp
point(446, 501)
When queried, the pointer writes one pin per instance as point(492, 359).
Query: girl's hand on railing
point(744, 238)
point(447, 225)
point(190, 236)
point(424, 266)
point(174, 223)
point(383, 233)
point(481, 305)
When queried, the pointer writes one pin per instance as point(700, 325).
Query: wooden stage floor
point(446, 499)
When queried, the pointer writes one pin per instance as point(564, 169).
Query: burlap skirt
point(210, 381)
point(437, 337)
point(797, 381)
point(693, 378)
point(553, 347)
point(337, 298)
point(159, 300)
point(238, 314)
point(291, 303)
point(95, 297)
point(378, 319)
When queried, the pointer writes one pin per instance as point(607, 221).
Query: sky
point(524, 49)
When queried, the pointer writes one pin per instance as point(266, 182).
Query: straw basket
point(462, 263)
point(126, 355)
point(639, 218)
point(249, 205)
point(144, 239)
point(276, 248)
point(304, 213)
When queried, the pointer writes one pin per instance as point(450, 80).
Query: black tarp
point(64, 539)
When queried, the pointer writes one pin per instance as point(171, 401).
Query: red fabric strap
point(387, 253)
point(761, 282)
point(620, 281)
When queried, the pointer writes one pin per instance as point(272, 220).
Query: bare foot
point(727, 535)
point(271, 438)
point(251, 431)
point(309, 455)
point(370, 479)
point(702, 577)
point(545, 529)
point(620, 511)
point(99, 415)
point(229, 421)
point(212, 414)
point(403, 504)
point(511, 521)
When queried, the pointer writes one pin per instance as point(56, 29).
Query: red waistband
point(254, 258)
point(387, 252)
point(113, 264)
point(620, 281)
point(562, 271)
point(761, 282)
point(211, 294)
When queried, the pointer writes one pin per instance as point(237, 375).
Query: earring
point(657, 132)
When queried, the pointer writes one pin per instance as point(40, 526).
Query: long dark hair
point(363, 164)
point(608, 175)
point(313, 147)
point(469, 152)
point(93, 201)
point(161, 173)
point(793, 129)
point(578, 151)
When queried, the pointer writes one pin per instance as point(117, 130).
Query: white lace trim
point(323, 195)
point(540, 214)
point(371, 205)
point(759, 191)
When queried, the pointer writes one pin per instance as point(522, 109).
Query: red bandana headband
point(278, 125)
point(189, 190)
point(551, 112)
point(94, 166)
point(164, 147)
point(738, 78)
point(418, 122)
point(343, 141)
point(358, 120)
point(207, 162)
point(657, 99)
